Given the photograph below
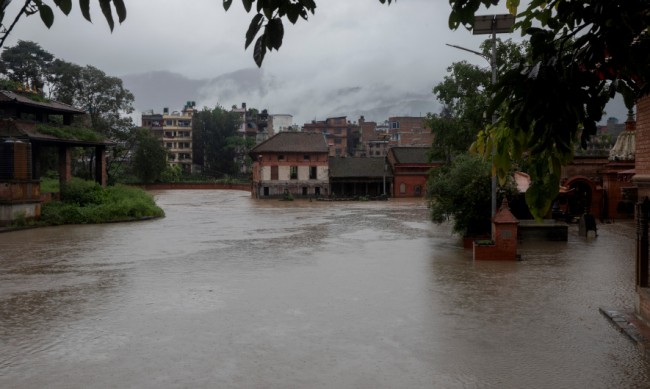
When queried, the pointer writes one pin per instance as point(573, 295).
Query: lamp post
point(491, 24)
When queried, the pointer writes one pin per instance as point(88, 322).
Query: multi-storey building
point(372, 143)
point(291, 162)
point(174, 130)
point(342, 136)
point(409, 131)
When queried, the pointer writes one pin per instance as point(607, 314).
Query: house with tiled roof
point(354, 177)
point(293, 163)
point(410, 166)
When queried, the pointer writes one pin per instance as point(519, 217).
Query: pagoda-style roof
point(49, 106)
point(411, 154)
point(42, 133)
point(292, 142)
point(343, 167)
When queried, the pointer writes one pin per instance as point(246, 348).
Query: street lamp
point(491, 24)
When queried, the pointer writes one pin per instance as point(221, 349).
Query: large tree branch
point(6, 33)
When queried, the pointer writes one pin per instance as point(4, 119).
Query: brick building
point(372, 143)
point(342, 136)
point(410, 167)
point(291, 162)
point(409, 131)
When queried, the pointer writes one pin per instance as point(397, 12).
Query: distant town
point(334, 156)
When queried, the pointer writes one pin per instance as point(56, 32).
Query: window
point(394, 124)
point(304, 191)
point(317, 191)
point(266, 191)
point(280, 157)
point(274, 172)
point(306, 157)
point(402, 188)
point(338, 141)
point(293, 172)
point(312, 172)
point(338, 152)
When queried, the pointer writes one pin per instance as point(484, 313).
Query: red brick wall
point(642, 157)
point(411, 182)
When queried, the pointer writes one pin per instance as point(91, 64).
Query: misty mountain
point(306, 102)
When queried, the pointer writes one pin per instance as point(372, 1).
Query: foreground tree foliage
point(465, 94)
point(582, 54)
point(44, 9)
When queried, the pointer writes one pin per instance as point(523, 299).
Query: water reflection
point(227, 291)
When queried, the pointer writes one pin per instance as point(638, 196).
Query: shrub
point(82, 192)
point(86, 202)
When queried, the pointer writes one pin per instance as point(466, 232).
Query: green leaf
point(105, 6)
point(274, 32)
point(260, 50)
point(47, 16)
point(64, 5)
point(253, 29)
point(85, 9)
point(293, 12)
point(120, 9)
point(227, 4)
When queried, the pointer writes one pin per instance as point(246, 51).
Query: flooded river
point(231, 292)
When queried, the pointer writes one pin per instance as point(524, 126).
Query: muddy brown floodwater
point(231, 292)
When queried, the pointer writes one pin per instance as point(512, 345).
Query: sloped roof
point(20, 129)
point(411, 155)
point(51, 106)
point(292, 142)
point(340, 167)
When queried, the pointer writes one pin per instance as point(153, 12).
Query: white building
point(280, 123)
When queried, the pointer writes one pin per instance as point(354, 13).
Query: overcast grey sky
point(350, 57)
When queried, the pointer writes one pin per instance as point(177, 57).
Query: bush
point(85, 202)
point(82, 192)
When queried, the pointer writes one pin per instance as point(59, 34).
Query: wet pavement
point(231, 292)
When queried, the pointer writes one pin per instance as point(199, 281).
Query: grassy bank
point(85, 202)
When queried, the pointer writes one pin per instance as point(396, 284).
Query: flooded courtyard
point(232, 292)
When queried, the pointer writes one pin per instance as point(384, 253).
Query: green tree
point(44, 10)
point(465, 95)
point(26, 63)
point(105, 99)
point(460, 191)
point(63, 81)
point(213, 130)
point(150, 157)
